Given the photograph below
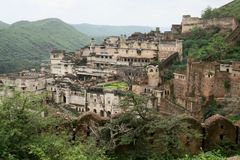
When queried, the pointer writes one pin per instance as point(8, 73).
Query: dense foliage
point(25, 44)
point(139, 133)
point(209, 45)
point(26, 135)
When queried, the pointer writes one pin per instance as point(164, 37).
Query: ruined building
point(76, 81)
point(203, 80)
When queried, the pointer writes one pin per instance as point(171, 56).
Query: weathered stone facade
point(204, 80)
point(137, 50)
point(217, 128)
point(29, 81)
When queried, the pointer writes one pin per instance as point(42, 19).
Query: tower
point(179, 48)
point(92, 45)
point(153, 75)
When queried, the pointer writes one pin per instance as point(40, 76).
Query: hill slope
point(3, 25)
point(230, 9)
point(24, 44)
point(105, 30)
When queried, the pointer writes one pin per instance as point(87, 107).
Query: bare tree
point(131, 75)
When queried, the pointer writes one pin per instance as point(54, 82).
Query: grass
point(235, 118)
point(116, 85)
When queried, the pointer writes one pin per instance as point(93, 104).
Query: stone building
point(203, 80)
point(61, 63)
point(218, 129)
point(26, 81)
point(137, 50)
point(104, 102)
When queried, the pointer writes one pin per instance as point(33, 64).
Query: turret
point(92, 45)
point(157, 29)
point(56, 56)
point(179, 46)
point(153, 75)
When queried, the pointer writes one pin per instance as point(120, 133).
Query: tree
point(140, 132)
point(131, 75)
point(26, 135)
point(207, 13)
point(212, 108)
point(20, 120)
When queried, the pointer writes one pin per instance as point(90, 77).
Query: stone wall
point(225, 23)
point(218, 129)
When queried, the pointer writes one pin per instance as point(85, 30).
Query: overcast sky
point(109, 12)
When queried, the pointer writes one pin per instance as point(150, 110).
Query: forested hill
point(25, 44)
point(230, 9)
point(107, 30)
point(3, 25)
point(211, 45)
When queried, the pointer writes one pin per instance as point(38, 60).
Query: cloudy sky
point(109, 12)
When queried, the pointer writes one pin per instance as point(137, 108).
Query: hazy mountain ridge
point(108, 30)
point(3, 25)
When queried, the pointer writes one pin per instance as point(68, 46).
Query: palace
point(78, 81)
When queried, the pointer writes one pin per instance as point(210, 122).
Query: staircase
point(234, 36)
point(170, 60)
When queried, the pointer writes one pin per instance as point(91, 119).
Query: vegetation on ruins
point(212, 107)
point(235, 118)
point(132, 135)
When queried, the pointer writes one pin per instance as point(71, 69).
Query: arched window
point(95, 111)
point(64, 99)
point(102, 113)
point(221, 137)
point(108, 114)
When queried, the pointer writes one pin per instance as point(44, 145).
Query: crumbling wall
point(191, 136)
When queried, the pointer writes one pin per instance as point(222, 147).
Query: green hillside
point(25, 44)
point(230, 9)
point(105, 30)
point(3, 25)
